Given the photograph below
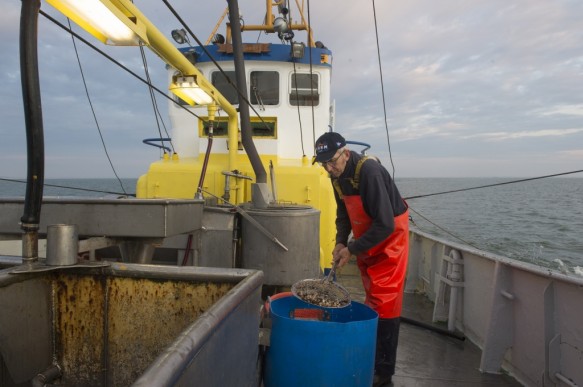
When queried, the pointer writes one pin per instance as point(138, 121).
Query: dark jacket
point(380, 198)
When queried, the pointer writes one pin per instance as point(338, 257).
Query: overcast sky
point(472, 88)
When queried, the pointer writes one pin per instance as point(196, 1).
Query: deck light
point(188, 90)
point(104, 19)
point(218, 39)
point(179, 36)
point(298, 50)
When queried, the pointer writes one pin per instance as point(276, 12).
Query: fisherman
point(369, 205)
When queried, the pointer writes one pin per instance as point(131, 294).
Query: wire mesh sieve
point(321, 292)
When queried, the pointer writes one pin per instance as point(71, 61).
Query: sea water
point(538, 221)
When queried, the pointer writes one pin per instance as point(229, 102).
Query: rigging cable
point(382, 86)
point(261, 31)
point(71, 188)
point(79, 37)
point(311, 83)
point(157, 114)
point(494, 185)
point(474, 188)
point(298, 106)
point(296, 91)
point(93, 109)
point(441, 228)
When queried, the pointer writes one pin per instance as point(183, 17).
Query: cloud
point(569, 110)
point(461, 81)
point(499, 136)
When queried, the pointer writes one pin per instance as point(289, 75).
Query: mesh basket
point(322, 293)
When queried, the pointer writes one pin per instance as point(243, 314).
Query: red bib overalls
point(384, 266)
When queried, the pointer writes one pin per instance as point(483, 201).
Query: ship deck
point(426, 357)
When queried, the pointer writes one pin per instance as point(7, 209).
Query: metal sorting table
point(145, 218)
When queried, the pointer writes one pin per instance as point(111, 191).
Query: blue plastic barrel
point(315, 346)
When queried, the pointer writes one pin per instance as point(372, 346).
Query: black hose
point(433, 328)
point(246, 131)
point(32, 114)
point(198, 194)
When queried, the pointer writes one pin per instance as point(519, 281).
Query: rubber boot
point(386, 350)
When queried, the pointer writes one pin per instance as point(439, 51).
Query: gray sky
point(472, 88)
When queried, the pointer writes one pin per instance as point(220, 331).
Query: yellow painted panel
point(297, 182)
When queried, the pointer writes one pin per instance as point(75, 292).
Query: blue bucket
point(316, 346)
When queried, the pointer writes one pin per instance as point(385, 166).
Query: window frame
point(306, 93)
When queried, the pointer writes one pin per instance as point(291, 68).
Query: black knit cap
point(327, 146)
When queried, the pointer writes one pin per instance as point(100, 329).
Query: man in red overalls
point(369, 205)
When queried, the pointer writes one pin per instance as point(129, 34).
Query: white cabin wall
point(184, 133)
point(288, 143)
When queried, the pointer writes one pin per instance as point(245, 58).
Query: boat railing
point(526, 319)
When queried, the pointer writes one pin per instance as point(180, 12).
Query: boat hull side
point(527, 320)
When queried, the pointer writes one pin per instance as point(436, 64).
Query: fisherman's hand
point(337, 249)
point(342, 255)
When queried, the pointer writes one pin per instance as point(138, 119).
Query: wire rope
point(298, 107)
point(201, 45)
point(70, 187)
point(79, 37)
point(474, 188)
point(442, 229)
point(494, 185)
point(157, 114)
point(311, 82)
point(382, 86)
point(93, 109)
point(153, 88)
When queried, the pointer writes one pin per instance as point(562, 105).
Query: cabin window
point(304, 90)
point(224, 87)
point(220, 127)
point(265, 128)
point(264, 88)
point(261, 127)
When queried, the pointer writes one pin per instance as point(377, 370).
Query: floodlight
point(104, 20)
point(179, 36)
point(187, 88)
point(298, 50)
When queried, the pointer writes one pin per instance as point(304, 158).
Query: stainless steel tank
point(297, 228)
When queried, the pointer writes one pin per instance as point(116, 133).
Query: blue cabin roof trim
point(276, 53)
